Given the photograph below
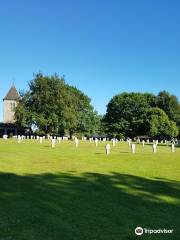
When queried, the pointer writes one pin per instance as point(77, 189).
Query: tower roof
point(12, 94)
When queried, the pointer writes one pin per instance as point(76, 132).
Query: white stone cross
point(19, 138)
point(53, 142)
point(154, 147)
point(76, 142)
point(96, 141)
point(113, 142)
point(108, 148)
point(129, 142)
point(133, 148)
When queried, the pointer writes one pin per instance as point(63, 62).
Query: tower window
point(13, 105)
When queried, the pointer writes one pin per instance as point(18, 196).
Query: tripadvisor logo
point(139, 231)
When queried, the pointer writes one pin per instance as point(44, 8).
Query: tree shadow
point(91, 206)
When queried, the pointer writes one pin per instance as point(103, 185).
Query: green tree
point(170, 105)
point(126, 114)
point(52, 106)
point(159, 125)
point(22, 114)
point(151, 99)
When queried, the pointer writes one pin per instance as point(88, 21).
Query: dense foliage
point(52, 106)
point(159, 125)
point(138, 114)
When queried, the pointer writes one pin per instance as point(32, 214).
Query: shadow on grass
point(91, 206)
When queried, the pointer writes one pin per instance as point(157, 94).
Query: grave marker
point(133, 148)
point(108, 148)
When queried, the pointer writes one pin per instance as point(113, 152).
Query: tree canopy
point(170, 105)
point(159, 125)
point(52, 106)
point(137, 114)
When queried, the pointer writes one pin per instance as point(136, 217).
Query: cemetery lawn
point(81, 194)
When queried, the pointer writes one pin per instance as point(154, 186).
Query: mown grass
point(70, 193)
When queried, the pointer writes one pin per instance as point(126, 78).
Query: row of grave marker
point(133, 148)
point(91, 139)
point(76, 141)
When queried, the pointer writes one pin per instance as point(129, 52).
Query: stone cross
point(154, 146)
point(113, 142)
point(19, 138)
point(172, 148)
point(133, 148)
point(108, 148)
point(96, 141)
point(53, 142)
point(129, 142)
point(76, 142)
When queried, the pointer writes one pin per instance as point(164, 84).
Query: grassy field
point(70, 193)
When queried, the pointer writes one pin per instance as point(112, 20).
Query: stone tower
point(9, 103)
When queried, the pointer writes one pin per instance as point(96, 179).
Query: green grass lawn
point(70, 193)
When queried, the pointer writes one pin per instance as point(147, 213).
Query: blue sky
point(103, 47)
